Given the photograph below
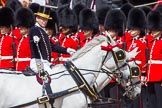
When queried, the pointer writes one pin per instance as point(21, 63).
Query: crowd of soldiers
point(32, 33)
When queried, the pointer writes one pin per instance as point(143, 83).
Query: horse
point(17, 90)
point(126, 77)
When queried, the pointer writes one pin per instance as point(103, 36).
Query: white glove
point(71, 51)
point(132, 54)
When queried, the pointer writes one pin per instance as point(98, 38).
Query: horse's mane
point(97, 40)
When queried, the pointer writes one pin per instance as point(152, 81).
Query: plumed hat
point(136, 19)
point(25, 18)
point(52, 24)
point(146, 9)
point(88, 20)
point(154, 20)
point(126, 8)
point(101, 14)
point(159, 8)
point(67, 18)
point(115, 20)
point(6, 17)
point(44, 12)
point(34, 7)
point(77, 9)
point(13, 4)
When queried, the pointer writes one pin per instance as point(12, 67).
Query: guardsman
point(41, 46)
point(24, 20)
point(114, 24)
point(52, 31)
point(68, 28)
point(101, 15)
point(88, 24)
point(7, 46)
point(77, 9)
point(136, 31)
point(154, 73)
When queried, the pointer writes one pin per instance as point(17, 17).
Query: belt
point(63, 58)
point(22, 59)
point(154, 62)
point(138, 62)
point(6, 57)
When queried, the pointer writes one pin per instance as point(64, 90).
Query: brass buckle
point(43, 99)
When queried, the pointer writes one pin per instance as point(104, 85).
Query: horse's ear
point(108, 47)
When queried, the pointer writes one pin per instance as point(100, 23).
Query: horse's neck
point(90, 60)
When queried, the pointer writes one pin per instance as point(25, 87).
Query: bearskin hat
point(126, 8)
point(52, 24)
point(25, 18)
point(159, 8)
point(77, 9)
point(115, 20)
point(146, 9)
point(154, 20)
point(101, 14)
point(6, 17)
point(136, 19)
point(13, 4)
point(67, 18)
point(34, 7)
point(88, 20)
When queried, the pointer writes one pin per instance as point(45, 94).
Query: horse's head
point(126, 73)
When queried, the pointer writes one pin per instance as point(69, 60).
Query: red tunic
point(23, 54)
point(154, 73)
point(132, 43)
point(6, 51)
point(68, 41)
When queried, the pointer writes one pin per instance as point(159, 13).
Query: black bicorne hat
point(25, 18)
point(154, 20)
point(101, 14)
point(88, 20)
point(6, 17)
point(44, 12)
point(115, 20)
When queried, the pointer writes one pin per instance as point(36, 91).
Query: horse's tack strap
point(80, 80)
point(53, 96)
